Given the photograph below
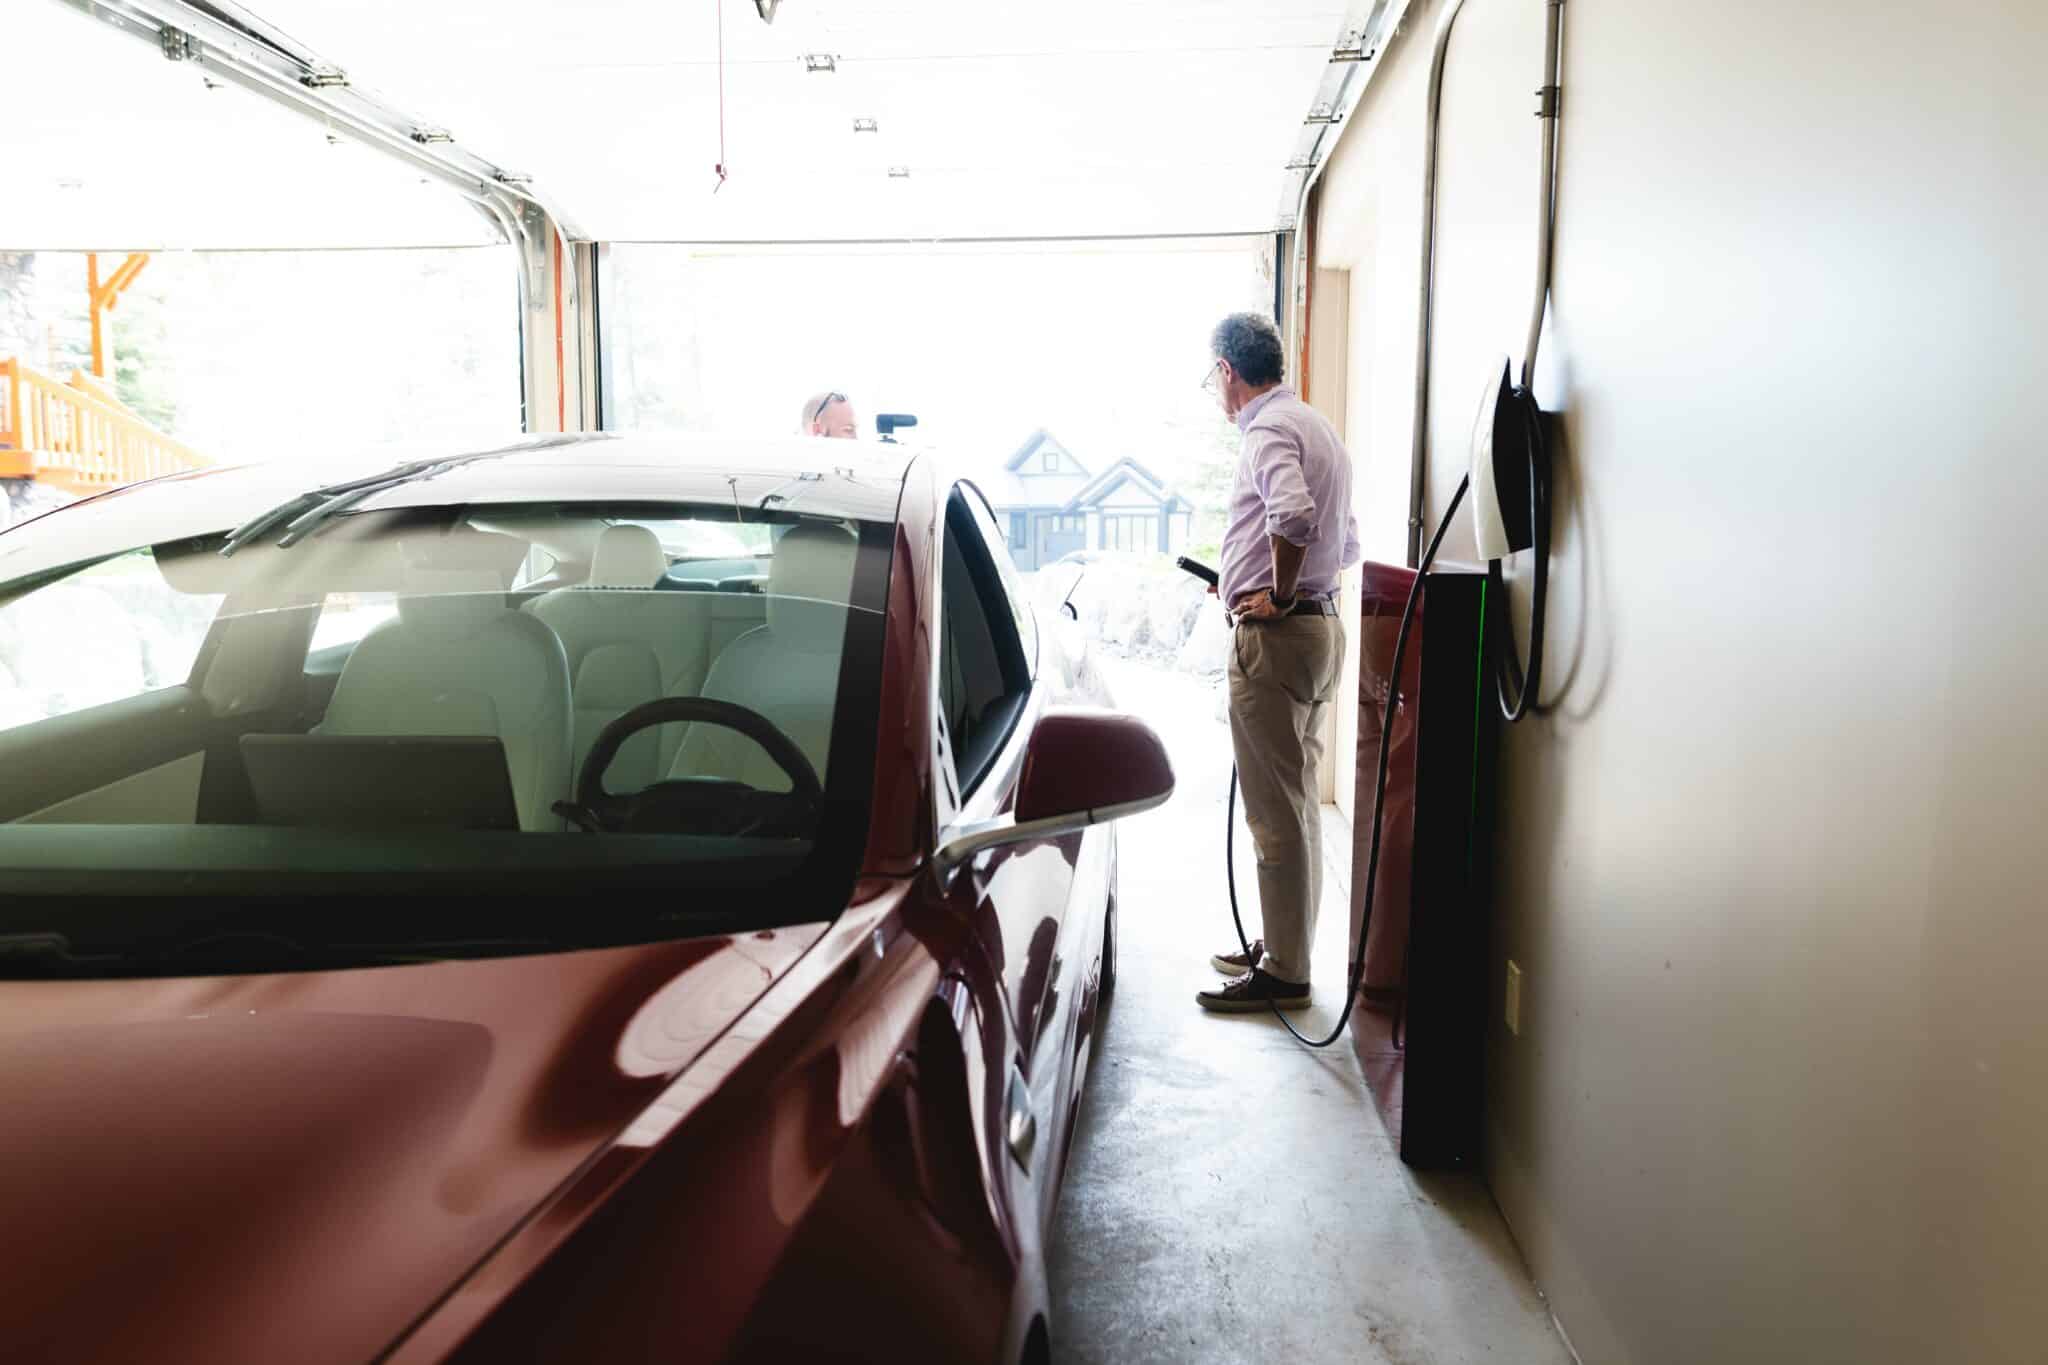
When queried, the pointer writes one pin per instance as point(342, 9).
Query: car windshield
point(429, 731)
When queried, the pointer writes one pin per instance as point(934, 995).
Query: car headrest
point(627, 557)
point(451, 601)
point(812, 567)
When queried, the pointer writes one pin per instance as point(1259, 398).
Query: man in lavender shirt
point(1291, 534)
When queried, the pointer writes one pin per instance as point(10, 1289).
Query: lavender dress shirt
point(1293, 481)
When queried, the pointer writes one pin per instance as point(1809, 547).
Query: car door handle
point(1051, 1000)
point(1020, 1123)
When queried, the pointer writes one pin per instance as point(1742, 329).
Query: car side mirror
point(1082, 767)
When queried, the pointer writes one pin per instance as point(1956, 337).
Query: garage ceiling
point(1062, 118)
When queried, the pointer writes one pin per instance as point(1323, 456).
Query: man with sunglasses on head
point(830, 414)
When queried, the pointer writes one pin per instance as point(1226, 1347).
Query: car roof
point(857, 480)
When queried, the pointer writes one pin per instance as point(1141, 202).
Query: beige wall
point(1773, 864)
point(1328, 389)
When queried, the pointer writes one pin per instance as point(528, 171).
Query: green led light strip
point(1478, 700)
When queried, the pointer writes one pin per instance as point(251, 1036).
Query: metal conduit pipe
point(1548, 114)
point(1419, 453)
point(1546, 186)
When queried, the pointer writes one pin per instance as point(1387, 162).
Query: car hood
point(297, 1167)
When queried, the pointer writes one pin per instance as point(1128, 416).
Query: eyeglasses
point(1211, 379)
point(827, 401)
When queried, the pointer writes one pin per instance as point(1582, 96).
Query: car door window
point(984, 687)
point(1015, 598)
point(984, 677)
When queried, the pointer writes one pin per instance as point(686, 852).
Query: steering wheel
point(697, 805)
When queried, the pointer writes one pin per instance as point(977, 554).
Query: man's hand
point(1256, 606)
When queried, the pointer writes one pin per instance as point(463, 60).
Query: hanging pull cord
point(1379, 802)
point(720, 167)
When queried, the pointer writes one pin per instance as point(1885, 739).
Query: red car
point(596, 900)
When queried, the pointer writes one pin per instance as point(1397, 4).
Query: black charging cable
point(1379, 799)
point(1518, 689)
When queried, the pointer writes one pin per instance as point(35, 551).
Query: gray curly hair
point(1251, 343)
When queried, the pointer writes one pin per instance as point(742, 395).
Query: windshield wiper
point(304, 515)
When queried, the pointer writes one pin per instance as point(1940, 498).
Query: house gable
point(1042, 456)
point(1127, 486)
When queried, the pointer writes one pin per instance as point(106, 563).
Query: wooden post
point(100, 297)
point(92, 300)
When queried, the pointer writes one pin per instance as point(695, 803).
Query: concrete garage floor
point(1232, 1196)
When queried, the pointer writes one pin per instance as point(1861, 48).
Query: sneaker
point(1237, 964)
point(1255, 990)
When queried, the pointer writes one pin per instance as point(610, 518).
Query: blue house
point(1053, 505)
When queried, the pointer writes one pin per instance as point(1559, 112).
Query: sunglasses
point(827, 401)
point(1209, 380)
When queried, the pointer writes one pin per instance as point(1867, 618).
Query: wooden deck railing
point(77, 436)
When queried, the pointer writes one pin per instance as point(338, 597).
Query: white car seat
point(458, 661)
point(627, 645)
point(788, 669)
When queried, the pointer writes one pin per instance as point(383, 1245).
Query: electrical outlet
point(1514, 1005)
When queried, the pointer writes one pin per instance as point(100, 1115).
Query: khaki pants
point(1283, 674)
